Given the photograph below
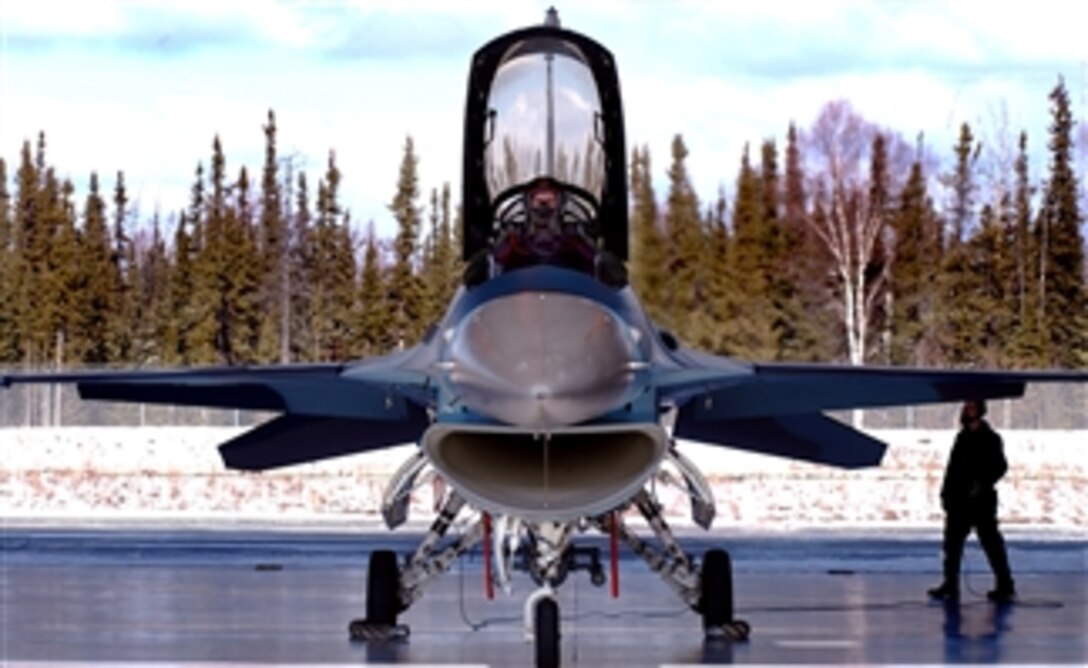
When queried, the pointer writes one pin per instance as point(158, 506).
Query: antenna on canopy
point(551, 20)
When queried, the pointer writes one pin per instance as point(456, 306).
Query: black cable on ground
point(475, 626)
point(965, 577)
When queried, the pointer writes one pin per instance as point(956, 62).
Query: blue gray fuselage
point(545, 348)
point(546, 409)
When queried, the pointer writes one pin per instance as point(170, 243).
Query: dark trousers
point(957, 525)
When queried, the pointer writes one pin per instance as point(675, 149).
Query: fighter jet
point(545, 398)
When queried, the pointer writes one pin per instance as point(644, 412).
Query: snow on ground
point(130, 472)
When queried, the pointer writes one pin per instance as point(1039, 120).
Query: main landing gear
point(716, 599)
point(383, 603)
point(547, 553)
point(708, 590)
point(392, 589)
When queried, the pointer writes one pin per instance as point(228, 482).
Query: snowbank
point(131, 472)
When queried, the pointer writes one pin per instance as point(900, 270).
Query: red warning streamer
point(614, 557)
point(489, 584)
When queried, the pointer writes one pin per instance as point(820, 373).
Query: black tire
point(716, 593)
point(546, 632)
point(383, 588)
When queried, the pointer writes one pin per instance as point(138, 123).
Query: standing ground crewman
point(969, 500)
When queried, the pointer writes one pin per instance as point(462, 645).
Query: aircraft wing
point(777, 408)
point(327, 409)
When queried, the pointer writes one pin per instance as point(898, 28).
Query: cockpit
point(544, 179)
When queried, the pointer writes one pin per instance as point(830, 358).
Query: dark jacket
point(975, 465)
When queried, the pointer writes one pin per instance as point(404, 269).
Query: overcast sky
point(144, 86)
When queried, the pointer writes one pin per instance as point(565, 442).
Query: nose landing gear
point(545, 629)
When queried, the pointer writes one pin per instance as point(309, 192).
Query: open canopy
point(543, 103)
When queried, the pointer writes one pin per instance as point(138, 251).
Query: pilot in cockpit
point(544, 163)
point(544, 235)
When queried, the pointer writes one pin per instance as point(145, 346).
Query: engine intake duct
point(574, 472)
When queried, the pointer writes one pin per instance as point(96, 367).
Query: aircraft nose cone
point(542, 360)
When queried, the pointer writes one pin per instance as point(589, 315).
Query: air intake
point(575, 472)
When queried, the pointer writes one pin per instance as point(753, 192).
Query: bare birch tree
point(851, 186)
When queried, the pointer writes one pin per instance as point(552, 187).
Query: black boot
point(1004, 593)
point(946, 592)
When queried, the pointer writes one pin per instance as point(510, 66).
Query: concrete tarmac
point(220, 597)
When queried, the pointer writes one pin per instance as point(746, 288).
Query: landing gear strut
point(391, 589)
point(708, 590)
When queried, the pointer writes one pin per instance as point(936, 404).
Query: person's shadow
point(973, 633)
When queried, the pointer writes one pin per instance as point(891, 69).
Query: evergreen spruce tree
point(205, 243)
point(240, 281)
point(301, 274)
point(342, 291)
point(9, 328)
point(448, 251)
point(123, 258)
point(749, 320)
point(30, 253)
point(440, 270)
point(273, 250)
point(1024, 347)
point(405, 287)
point(338, 270)
point(63, 270)
point(1063, 294)
point(807, 267)
point(962, 183)
point(958, 322)
point(721, 280)
point(153, 340)
point(189, 282)
point(648, 257)
point(99, 306)
point(330, 273)
point(877, 301)
point(912, 289)
point(318, 263)
point(432, 281)
point(791, 337)
point(990, 264)
point(686, 288)
point(373, 314)
point(225, 281)
point(178, 338)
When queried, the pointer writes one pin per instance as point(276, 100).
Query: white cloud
point(143, 86)
point(62, 19)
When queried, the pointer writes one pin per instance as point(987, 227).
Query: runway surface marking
point(816, 643)
point(211, 664)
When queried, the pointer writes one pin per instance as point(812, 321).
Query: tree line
point(849, 244)
point(272, 271)
point(841, 247)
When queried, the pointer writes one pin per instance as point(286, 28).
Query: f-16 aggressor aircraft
point(541, 395)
